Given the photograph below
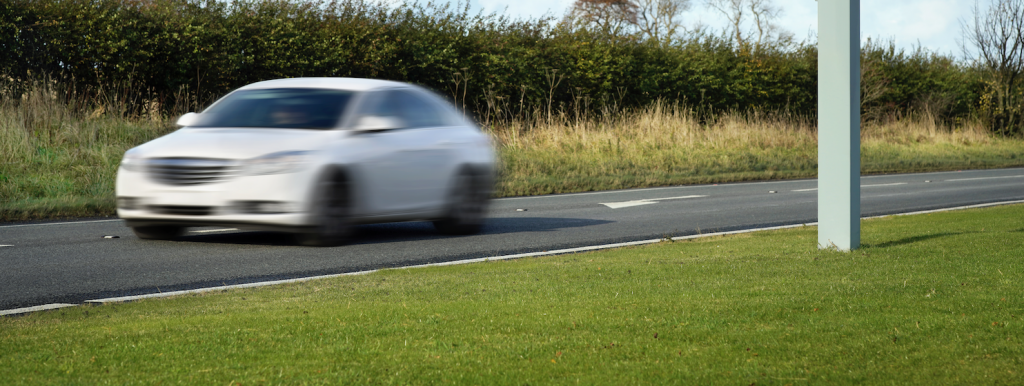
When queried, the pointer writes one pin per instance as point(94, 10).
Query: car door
point(405, 168)
point(434, 156)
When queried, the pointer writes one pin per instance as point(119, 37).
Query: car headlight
point(276, 163)
point(132, 162)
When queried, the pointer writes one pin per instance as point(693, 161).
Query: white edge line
point(535, 254)
point(484, 259)
point(58, 223)
point(948, 209)
point(863, 186)
point(5, 245)
point(43, 307)
point(223, 288)
point(697, 236)
point(984, 178)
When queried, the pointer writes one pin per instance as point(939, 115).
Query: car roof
point(351, 84)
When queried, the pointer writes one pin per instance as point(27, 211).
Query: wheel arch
point(344, 172)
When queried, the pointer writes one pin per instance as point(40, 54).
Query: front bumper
point(279, 201)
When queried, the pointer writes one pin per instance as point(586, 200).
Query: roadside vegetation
point(595, 100)
point(928, 299)
point(59, 154)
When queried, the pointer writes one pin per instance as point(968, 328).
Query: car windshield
point(289, 108)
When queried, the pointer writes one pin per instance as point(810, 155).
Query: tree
point(657, 20)
point(660, 19)
point(997, 36)
point(609, 16)
point(763, 14)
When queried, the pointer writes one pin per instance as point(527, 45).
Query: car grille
point(182, 210)
point(190, 171)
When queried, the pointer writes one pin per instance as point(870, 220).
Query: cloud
point(934, 24)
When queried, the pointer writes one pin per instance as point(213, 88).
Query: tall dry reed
point(673, 125)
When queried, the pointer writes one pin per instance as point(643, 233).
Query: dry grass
point(667, 144)
point(926, 129)
point(674, 125)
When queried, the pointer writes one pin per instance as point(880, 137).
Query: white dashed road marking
point(893, 184)
point(626, 204)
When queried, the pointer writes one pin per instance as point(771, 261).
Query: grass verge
point(928, 299)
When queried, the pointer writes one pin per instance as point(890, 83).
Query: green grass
point(929, 299)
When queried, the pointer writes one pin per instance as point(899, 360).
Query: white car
point(311, 156)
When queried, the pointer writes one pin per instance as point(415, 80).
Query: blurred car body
point(311, 156)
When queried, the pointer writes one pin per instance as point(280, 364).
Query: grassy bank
point(59, 159)
point(59, 150)
point(928, 299)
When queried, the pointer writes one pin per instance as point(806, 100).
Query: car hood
point(233, 143)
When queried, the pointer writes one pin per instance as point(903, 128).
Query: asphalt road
point(71, 262)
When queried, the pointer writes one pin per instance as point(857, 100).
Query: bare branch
point(659, 20)
point(759, 14)
point(997, 35)
point(734, 11)
point(610, 16)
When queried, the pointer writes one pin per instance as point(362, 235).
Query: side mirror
point(188, 119)
point(378, 123)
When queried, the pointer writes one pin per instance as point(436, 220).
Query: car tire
point(332, 208)
point(467, 204)
point(159, 232)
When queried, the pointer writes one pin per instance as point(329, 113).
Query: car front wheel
point(332, 210)
point(467, 204)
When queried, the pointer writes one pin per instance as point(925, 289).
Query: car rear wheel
point(467, 203)
point(332, 209)
point(158, 232)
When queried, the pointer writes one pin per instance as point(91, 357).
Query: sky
point(931, 24)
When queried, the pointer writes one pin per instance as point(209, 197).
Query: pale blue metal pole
point(839, 124)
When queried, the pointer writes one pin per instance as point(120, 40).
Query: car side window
point(381, 105)
point(412, 108)
point(417, 110)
